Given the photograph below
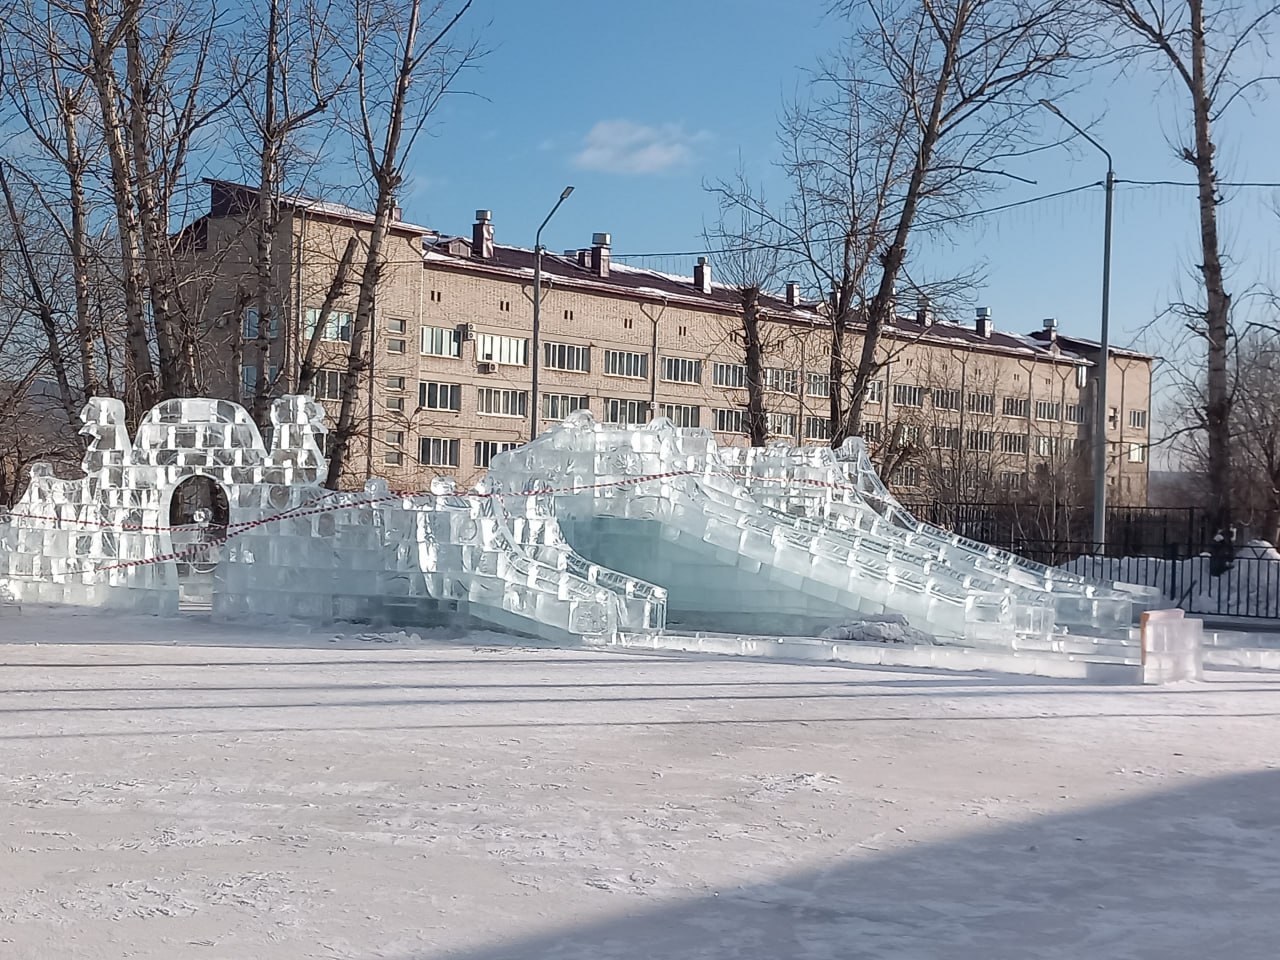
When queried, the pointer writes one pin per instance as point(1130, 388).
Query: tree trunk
point(143, 388)
point(307, 371)
point(268, 184)
point(79, 246)
point(835, 380)
point(757, 422)
point(1218, 301)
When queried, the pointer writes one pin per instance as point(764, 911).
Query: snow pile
point(1251, 588)
point(878, 628)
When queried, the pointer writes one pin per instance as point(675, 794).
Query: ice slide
point(783, 541)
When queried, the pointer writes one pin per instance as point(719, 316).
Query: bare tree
point(1201, 54)
point(282, 83)
point(749, 265)
point(960, 81)
point(405, 62)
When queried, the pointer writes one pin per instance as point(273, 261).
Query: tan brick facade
point(986, 416)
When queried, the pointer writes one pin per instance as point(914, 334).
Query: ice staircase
point(790, 542)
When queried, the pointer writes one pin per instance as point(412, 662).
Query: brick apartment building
point(987, 414)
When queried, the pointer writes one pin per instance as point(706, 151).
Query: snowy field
point(179, 789)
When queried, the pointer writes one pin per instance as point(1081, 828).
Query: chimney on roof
point(482, 236)
point(584, 257)
point(793, 294)
point(1051, 328)
point(397, 214)
point(983, 323)
point(924, 312)
point(600, 254)
point(702, 276)
point(571, 254)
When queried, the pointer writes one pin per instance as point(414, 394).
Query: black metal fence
point(1159, 547)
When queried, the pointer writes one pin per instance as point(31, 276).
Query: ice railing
point(829, 528)
point(291, 547)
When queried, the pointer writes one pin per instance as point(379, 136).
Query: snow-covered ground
point(180, 789)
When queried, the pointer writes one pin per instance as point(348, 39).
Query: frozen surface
point(187, 790)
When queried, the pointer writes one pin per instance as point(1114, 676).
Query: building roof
point(455, 253)
point(1085, 347)
point(227, 198)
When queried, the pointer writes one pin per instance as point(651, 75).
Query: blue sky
point(637, 105)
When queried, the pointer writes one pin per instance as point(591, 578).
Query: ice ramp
point(665, 505)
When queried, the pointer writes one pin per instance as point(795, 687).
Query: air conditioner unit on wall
point(466, 333)
point(487, 366)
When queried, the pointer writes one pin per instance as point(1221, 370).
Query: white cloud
point(621, 146)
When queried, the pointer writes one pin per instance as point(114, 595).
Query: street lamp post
point(537, 312)
point(1100, 422)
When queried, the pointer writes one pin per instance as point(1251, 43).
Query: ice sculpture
point(588, 531)
point(787, 541)
point(289, 547)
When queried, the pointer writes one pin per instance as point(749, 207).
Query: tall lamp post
point(1100, 423)
point(537, 312)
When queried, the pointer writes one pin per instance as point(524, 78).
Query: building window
point(1012, 481)
point(1137, 453)
point(486, 450)
point(731, 421)
point(946, 438)
point(1013, 443)
point(1138, 420)
point(621, 363)
point(249, 329)
point(982, 403)
point(327, 385)
point(817, 428)
point(395, 404)
point(681, 414)
point(875, 392)
point(337, 327)
point(439, 396)
point(1073, 413)
point(493, 348)
point(1082, 377)
point(681, 370)
point(781, 380)
point(872, 430)
point(1049, 446)
point(566, 356)
point(946, 399)
point(980, 440)
point(908, 395)
point(627, 323)
point(505, 307)
point(502, 402)
point(906, 476)
point(819, 385)
point(441, 342)
point(1048, 410)
point(436, 296)
point(623, 412)
point(395, 383)
point(1017, 407)
point(394, 454)
point(732, 375)
point(910, 434)
point(437, 452)
point(397, 326)
point(781, 424)
point(557, 406)
point(395, 345)
point(683, 330)
point(249, 379)
point(568, 314)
